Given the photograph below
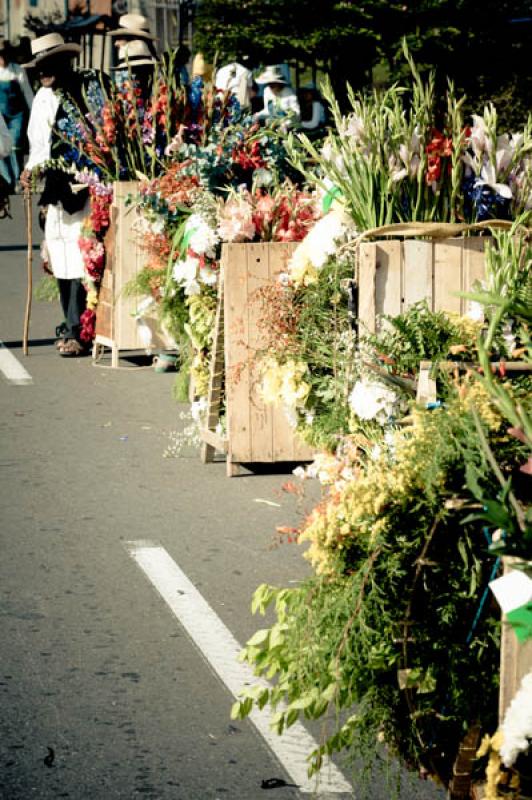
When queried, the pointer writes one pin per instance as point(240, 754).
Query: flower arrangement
point(392, 640)
point(91, 243)
point(397, 157)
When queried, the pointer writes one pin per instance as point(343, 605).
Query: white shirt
point(286, 101)
point(318, 116)
point(237, 80)
point(6, 142)
point(42, 118)
point(14, 72)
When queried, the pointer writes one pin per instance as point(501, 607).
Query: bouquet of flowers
point(397, 158)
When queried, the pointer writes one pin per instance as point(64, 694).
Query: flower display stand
point(516, 658)
point(257, 432)
point(116, 314)
point(395, 274)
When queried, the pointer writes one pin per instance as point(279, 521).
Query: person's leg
point(15, 125)
point(6, 171)
point(74, 296)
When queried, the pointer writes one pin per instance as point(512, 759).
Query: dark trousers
point(73, 302)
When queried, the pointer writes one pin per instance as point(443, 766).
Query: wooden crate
point(396, 274)
point(257, 432)
point(516, 658)
point(116, 326)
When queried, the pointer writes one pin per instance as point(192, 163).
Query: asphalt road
point(93, 665)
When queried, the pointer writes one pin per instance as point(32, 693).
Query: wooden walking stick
point(29, 291)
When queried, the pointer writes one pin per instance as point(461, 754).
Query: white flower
point(475, 311)
point(516, 727)
point(198, 409)
point(371, 399)
point(202, 238)
point(488, 177)
point(208, 276)
point(300, 472)
point(185, 272)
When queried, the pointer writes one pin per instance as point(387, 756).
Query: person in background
point(137, 62)
point(16, 98)
point(132, 27)
point(66, 208)
point(180, 61)
point(280, 100)
point(6, 145)
point(313, 115)
point(237, 80)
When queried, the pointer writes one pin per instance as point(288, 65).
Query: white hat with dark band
point(51, 44)
point(133, 26)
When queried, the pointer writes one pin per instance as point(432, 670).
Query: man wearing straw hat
point(132, 27)
point(66, 208)
point(136, 61)
point(280, 100)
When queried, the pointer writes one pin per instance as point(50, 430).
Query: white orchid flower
point(488, 177)
point(478, 138)
point(185, 272)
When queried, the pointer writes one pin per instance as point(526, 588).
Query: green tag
point(521, 621)
point(330, 197)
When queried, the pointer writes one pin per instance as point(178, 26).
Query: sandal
point(71, 348)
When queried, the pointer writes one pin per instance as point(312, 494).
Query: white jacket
point(42, 118)
point(285, 102)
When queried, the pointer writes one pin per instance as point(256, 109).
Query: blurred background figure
point(313, 116)
point(136, 61)
point(132, 27)
point(280, 100)
point(16, 98)
point(236, 79)
point(6, 144)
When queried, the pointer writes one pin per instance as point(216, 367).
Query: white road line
point(221, 649)
point(12, 368)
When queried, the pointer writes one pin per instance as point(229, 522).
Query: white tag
point(512, 590)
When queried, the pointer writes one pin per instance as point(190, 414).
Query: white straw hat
point(134, 54)
point(271, 75)
point(51, 44)
point(134, 25)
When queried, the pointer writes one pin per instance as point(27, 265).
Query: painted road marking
point(220, 648)
point(12, 368)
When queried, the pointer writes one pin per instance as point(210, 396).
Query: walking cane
point(29, 292)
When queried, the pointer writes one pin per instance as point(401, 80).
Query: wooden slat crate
point(116, 326)
point(516, 659)
point(257, 432)
point(396, 274)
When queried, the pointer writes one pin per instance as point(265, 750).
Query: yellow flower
point(92, 299)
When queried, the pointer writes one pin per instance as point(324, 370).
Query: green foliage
point(418, 334)
point(386, 649)
point(47, 290)
point(474, 43)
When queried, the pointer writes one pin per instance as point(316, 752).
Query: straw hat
point(200, 68)
point(134, 26)
point(135, 54)
point(51, 44)
point(271, 75)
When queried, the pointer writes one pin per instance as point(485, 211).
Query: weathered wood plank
point(448, 275)
point(474, 265)
point(516, 659)
point(366, 287)
point(388, 279)
point(417, 272)
point(237, 380)
point(261, 413)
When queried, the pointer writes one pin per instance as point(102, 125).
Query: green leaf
point(259, 637)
